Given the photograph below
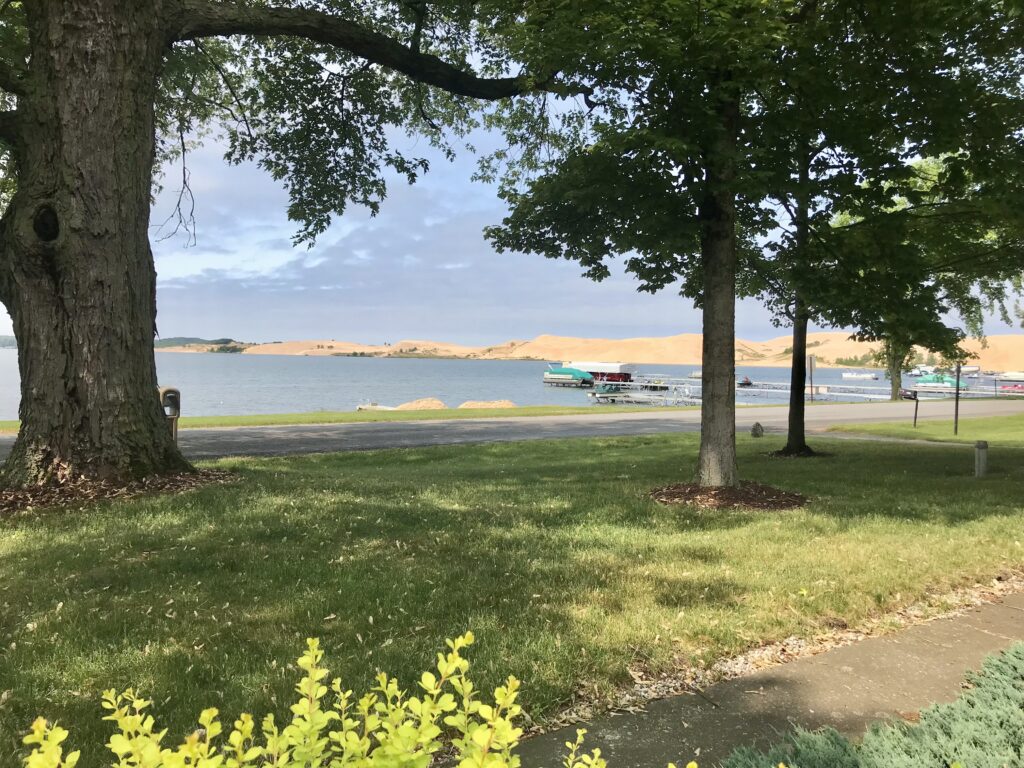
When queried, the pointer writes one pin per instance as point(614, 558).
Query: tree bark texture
point(796, 436)
point(717, 461)
point(895, 357)
point(78, 274)
point(76, 269)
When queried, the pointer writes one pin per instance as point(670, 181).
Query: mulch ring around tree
point(74, 493)
point(744, 496)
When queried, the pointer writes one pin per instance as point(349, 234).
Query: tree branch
point(200, 18)
point(231, 90)
point(10, 79)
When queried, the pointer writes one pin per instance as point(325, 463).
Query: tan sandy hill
point(684, 348)
point(999, 353)
point(827, 346)
point(234, 346)
point(414, 347)
point(1002, 353)
point(189, 348)
point(315, 347)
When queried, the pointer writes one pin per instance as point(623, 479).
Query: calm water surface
point(219, 384)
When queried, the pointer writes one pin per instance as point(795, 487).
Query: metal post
point(917, 404)
point(810, 372)
point(956, 404)
point(980, 458)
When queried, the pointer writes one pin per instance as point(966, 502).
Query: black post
point(917, 403)
point(810, 372)
point(956, 403)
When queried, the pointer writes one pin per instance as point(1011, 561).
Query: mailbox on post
point(170, 401)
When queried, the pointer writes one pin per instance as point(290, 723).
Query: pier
point(652, 389)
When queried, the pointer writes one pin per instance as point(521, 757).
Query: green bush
point(383, 729)
point(984, 728)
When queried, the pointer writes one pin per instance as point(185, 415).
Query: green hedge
point(984, 728)
point(389, 728)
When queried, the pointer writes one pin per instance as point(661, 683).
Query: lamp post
point(956, 403)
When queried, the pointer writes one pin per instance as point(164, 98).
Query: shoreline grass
point(313, 418)
point(361, 417)
point(551, 552)
point(997, 430)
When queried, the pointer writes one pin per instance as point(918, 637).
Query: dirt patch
point(488, 404)
point(78, 492)
point(744, 496)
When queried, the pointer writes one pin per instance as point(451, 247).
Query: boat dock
point(651, 389)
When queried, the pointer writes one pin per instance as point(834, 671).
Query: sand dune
point(1001, 353)
point(315, 347)
point(431, 349)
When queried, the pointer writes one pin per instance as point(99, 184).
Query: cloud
point(420, 268)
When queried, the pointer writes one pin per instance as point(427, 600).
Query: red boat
point(605, 371)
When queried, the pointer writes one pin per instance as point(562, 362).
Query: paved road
point(276, 441)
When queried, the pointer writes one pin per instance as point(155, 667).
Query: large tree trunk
point(717, 460)
point(80, 276)
point(796, 437)
point(895, 357)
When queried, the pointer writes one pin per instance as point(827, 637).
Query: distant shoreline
point(833, 349)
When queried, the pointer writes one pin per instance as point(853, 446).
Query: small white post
point(980, 458)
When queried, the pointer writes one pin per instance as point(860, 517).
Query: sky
point(420, 269)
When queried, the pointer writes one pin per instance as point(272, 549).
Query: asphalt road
point(277, 441)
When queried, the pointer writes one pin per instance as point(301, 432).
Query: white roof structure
point(595, 367)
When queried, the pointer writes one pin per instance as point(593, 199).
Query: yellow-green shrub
point(385, 728)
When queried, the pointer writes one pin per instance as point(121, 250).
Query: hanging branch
point(230, 86)
point(186, 221)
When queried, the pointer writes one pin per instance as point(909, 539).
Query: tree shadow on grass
point(557, 561)
point(212, 594)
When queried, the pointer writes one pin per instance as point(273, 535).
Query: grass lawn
point(352, 417)
point(998, 430)
point(549, 551)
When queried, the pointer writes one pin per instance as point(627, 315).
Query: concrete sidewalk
point(846, 688)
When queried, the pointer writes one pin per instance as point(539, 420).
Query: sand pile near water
point(423, 404)
point(488, 404)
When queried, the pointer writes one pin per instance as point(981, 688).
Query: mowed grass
point(997, 430)
point(549, 551)
point(355, 417)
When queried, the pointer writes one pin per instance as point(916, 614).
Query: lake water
point(219, 384)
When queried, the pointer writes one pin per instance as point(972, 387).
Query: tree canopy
point(97, 96)
point(827, 95)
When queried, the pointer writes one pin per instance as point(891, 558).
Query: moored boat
point(604, 371)
point(567, 376)
point(938, 382)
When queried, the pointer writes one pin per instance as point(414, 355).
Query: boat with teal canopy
point(568, 377)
